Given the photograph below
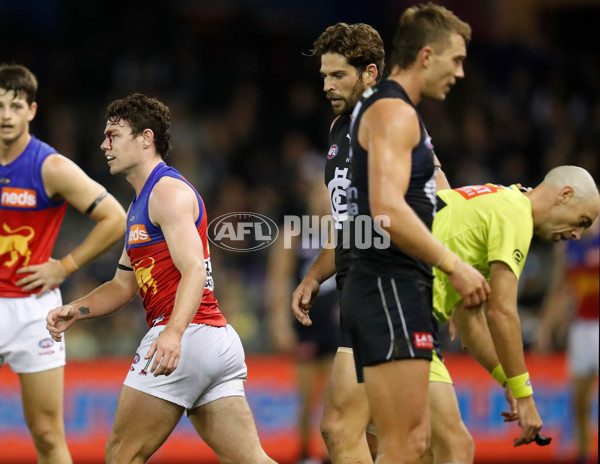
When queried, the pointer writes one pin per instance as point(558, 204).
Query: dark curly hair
point(142, 112)
point(422, 25)
point(359, 43)
point(20, 80)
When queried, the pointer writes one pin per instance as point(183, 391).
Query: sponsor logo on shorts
point(19, 197)
point(136, 358)
point(424, 340)
point(46, 343)
point(333, 150)
point(138, 234)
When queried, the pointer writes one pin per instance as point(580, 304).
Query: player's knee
point(46, 438)
point(118, 451)
point(331, 423)
point(334, 429)
point(404, 449)
point(466, 446)
point(456, 444)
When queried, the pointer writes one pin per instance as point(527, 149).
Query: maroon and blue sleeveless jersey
point(582, 266)
point(156, 274)
point(29, 219)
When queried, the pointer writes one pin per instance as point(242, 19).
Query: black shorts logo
point(518, 256)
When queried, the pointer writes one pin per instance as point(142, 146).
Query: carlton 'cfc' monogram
point(337, 192)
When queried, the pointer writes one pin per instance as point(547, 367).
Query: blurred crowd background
point(250, 121)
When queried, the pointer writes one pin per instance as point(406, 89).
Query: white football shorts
point(212, 366)
point(25, 344)
point(583, 347)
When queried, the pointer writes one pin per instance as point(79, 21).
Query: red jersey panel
point(157, 276)
point(29, 220)
point(583, 271)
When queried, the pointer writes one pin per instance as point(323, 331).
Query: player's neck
point(10, 151)
point(138, 176)
point(541, 203)
point(410, 82)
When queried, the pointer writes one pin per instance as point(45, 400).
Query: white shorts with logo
point(25, 344)
point(212, 366)
point(583, 347)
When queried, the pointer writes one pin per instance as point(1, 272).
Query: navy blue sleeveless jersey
point(337, 180)
point(420, 196)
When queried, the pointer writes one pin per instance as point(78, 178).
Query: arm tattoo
point(83, 310)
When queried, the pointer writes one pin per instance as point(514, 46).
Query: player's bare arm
point(476, 339)
point(64, 179)
point(280, 276)
point(556, 303)
point(101, 302)
point(505, 328)
point(389, 131)
point(308, 290)
point(173, 207)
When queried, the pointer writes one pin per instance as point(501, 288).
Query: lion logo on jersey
point(16, 244)
point(144, 277)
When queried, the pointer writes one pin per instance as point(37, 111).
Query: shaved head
point(565, 204)
point(583, 183)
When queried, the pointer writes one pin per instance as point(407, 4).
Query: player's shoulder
point(172, 191)
point(394, 117)
point(392, 108)
point(55, 164)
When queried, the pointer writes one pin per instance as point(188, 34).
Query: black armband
point(124, 268)
point(95, 203)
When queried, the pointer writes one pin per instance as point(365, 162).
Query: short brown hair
point(142, 112)
point(20, 80)
point(359, 43)
point(422, 25)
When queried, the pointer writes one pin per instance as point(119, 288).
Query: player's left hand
point(47, 275)
point(513, 414)
point(166, 350)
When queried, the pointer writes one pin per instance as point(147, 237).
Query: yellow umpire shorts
point(438, 371)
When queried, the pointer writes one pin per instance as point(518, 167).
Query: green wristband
point(520, 385)
point(499, 375)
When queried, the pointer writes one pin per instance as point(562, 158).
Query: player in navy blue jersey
point(387, 296)
point(352, 60)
